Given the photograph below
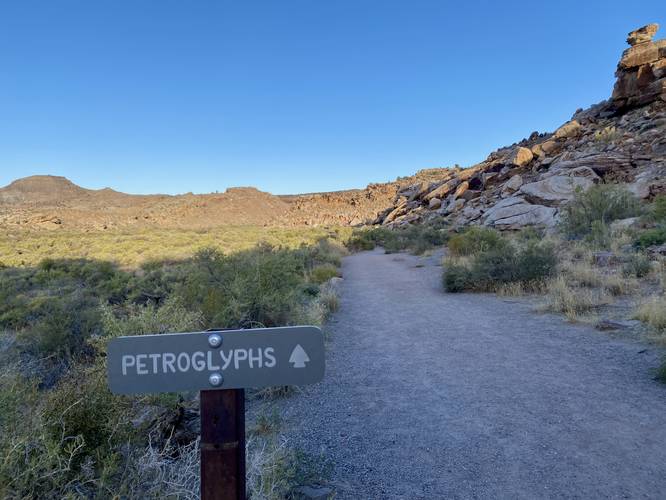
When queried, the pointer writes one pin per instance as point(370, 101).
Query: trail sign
point(231, 359)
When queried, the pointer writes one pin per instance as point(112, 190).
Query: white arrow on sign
point(299, 357)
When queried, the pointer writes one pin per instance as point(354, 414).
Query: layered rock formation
point(622, 140)
point(641, 73)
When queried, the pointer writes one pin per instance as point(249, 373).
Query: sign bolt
point(215, 340)
point(215, 379)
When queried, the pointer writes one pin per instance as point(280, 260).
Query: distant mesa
point(41, 189)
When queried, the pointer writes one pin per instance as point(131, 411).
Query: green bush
point(256, 287)
point(416, 238)
point(457, 278)
point(596, 208)
point(657, 211)
point(650, 237)
point(474, 240)
point(134, 319)
point(323, 273)
point(361, 242)
point(502, 265)
point(638, 266)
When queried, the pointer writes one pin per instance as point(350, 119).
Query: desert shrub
point(650, 237)
point(637, 266)
point(503, 264)
point(361, 242)
point(82, 407)
point(657, 210)
point(599, 235)
point(607, 135)
point(327, 251)
point(416, 238)
point(323, 273)
point(328, 296)
point(475, 240)
point(255, 287)
point(457, 278)
point(134, 319)
point(593, 210)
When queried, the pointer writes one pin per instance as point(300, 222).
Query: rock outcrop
point(641, 73)
point(622, 140)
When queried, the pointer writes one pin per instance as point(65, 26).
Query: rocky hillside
point(621, 140)
point(55, 203)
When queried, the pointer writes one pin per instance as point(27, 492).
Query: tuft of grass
point(653, 313)
point(571, 301)
point(267, 424)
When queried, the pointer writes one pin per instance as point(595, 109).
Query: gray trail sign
point(227, 359)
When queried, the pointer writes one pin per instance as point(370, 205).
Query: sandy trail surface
point(434, 395)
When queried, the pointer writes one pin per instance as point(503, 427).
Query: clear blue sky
point(291, 96)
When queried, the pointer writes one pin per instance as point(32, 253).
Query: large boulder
point(555, 190)
point(443, 190)
point(649, 183)
point(512, 185)
point(521, 157)
point(516, 213)
point(569, 129)
point(599, 163)
point(642, 35)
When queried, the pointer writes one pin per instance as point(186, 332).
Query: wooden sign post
point(220, 364)
point(223, 444)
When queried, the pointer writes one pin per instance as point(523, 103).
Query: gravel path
point(433, 395)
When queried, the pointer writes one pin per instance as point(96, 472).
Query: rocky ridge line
point(621, 140)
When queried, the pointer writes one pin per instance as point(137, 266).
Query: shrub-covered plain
point(64, 435)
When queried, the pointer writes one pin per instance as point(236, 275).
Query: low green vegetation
point(476, 240)
point(651, 237)
point(417, 238)
point(591, 212)
point(483, 260)
point(130, 248)
point(64, 435)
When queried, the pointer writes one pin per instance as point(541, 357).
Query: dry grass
point(171, 472)
point(653, 313)
point(574, 303)
point(519, 289)
point(582, 274)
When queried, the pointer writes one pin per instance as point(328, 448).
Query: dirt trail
point(433, 395)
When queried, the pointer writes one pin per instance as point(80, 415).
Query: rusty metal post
point(223, 444)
